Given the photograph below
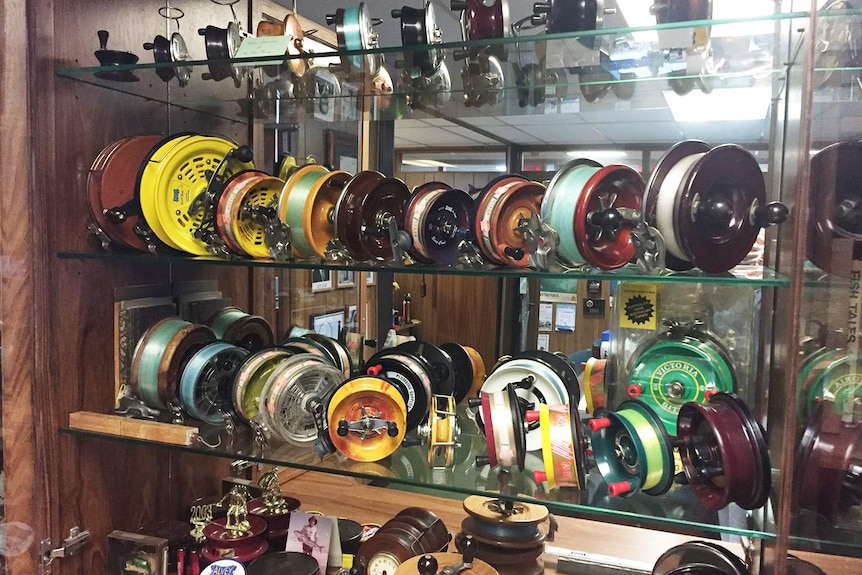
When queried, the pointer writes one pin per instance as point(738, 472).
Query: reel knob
point(358, 568)
point(244, 154)
point(598, 423)
point(514, 253)
point(148, 46)
point(458, 5)
point(330, 19)
point(396, 12)
point(391, 429)
point(459, 55)
point(541, 7)
point(103, 39)
point(474, 402)
point(482, 460)
point(342, 429)
point(658, 8)
point(202, 32)
point(427, 565)
point(538, 19)
point(619, 488)
point(610, 220)
point(773, 213)
point(467, 549)
point(411, 440)
point(116, 215)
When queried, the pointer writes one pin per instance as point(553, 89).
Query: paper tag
point(638, 306)
point(263, 47)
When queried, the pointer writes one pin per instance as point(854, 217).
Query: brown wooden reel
point(478, 567)
point(412, 532)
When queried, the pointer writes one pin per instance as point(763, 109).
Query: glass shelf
point(741, 275)
point(535, 73)
point(408, 469)
point(814, 533)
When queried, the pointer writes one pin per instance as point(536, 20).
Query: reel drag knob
point(427, 565)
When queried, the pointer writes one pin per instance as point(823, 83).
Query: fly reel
point(160, 356)
point(632, 450)
point(709, 205)
point(595, 210)
point(438, 220)
point(506, 534)
point(233, 325)
point(682, 364)
point(503, 213)
point(207, 380)
point(829, 468)
point(367, 418)
point(562, 445)
point(724, 453)
point(439, 433)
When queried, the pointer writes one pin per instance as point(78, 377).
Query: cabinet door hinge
point(72, 544)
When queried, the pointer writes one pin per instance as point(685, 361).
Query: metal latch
point(72, 544)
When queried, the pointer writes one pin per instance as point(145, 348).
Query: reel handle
point(457, 5)
point(474, 402)
point(771, 214)
point(330, 19)
point(396, 12)
point(427, 565)
point(461, 54)
point(482, 460)
point(103, 39)
point(538, 20)
point(610, 219)
point(342, 429)
point(514, 253)
point(541, 7)
point(467, 548)
point(392, 429)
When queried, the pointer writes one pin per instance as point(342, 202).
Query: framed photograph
point(342, 151)
point(321, 279)
point(346, 279)
point(349, 102)
point(352, 319)
point(370, 278)
point(329, 323)
point(310, 534)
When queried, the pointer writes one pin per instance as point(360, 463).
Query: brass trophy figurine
point(273, 498)
point(237, 524)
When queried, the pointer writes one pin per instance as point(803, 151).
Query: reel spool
point(469, 370)
point(506, 534)
point(505, 208)
point(174, 182)
point(632, 450)
point(287, 397)
point(224, 218)
point(411, 376)
point(835, 206)
point(724, 453)
point(296, 198)
point(251, 378)
point(171, 51)
point(503, 426)
point(111, 198)
point(207, 380)
point(699, 557)
point(245, 209)
point(833, 378)
point(338, 352)
point(484, 20)
point(560, 16)
point(595, 390)
point(419, 28)
point(442, 366)
point(709, 205)
point(594, 210)
point(284, 563)
point(562, 445)
point(310, 208)
point(354, 29)
point(369, 209)
point(411, 532)
point(222, 44)
point(680, 365)
point(233, 325)
point(160, 356)
point(483, 81)
point(306, 345)
point(538, 377)
point(440, 432)
point(430, 564)
point(829, 469)
point(438, 220)
point(367, 418)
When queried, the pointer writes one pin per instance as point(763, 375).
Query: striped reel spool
point(442, 367)
point(233, 325)
point(835, 378)
point(207, 380)
point(224, 219)
point(724, 453)
point(244, 211)
point(411, 376)
point(562, 445)
point(438, 219)
point(111, 198)
point(174, 183)
point(709, 205)
point(338, 352)
point(506, 534)
point(502, 213)
point(251, 378)
point(632, 450)
point(160, 356)
point(368, 211)
point(287, 400)
point(367, 418)
point(595, 391)
point(834, 205)
point(312, 193)
point(538, 378)
point(440, 432)
point(695, 555)
point(829, 465)
point(677, 366)
point(469, 370)
point(354, 30)
point(503, 427)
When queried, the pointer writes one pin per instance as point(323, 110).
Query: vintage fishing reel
point(503, 213)
point(483, 81)
point(410, 533)
point(411, 375)
point(290, 27)
point(419, 34)
point(438, 219)
point(831, 377)
point(222, 44)
point(440, 433)
point(484, 20)
point(469, 370)
point(207, 379)
point(445, 563)
point(703, 557)
point(354, 29)
point(233, 325)
point(501, 418)
point(562, 445)
point(171, 51)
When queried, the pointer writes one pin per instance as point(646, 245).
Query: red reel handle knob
point(374, 370)
point(598, 423)
point(531, 415)
point(540, 476)
point(618, 488)
point(707, 395)
point(634, 390)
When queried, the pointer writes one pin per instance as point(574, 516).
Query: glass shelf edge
point(560, 507)
point(769, 279)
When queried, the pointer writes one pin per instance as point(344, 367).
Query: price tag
point(263, 47)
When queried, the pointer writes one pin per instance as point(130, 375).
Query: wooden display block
point(135, 428)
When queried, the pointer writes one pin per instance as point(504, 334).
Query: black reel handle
point(609, 220)
point(771, 214)
point(458, 5)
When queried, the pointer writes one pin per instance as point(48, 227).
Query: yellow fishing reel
point(175, 181)
point(246, 209)
point(439, 433)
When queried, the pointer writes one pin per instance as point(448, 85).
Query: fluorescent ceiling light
point(722, 105)
point(427, 163)
point(597, 154)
